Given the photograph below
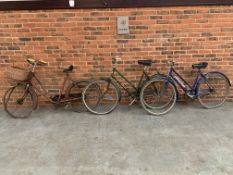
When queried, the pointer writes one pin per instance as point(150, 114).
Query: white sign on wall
point(123, 25)
point(71, 3)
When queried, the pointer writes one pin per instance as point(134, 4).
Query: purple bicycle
point(158, 96)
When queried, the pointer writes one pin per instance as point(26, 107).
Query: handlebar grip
point(42, 63)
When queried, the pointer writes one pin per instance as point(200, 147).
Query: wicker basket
point(17, 74)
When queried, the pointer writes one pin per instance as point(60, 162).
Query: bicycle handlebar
point(37, 62)
point(171, 63)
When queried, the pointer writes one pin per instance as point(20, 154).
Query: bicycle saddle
point(69, 69)
point(201, 65)
point(145, 62)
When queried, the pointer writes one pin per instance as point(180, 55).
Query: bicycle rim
point(213, 91)
point(18, 102)
point(158, 96)
point(75, 96)
point(101, 97)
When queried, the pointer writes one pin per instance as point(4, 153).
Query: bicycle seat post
point(146, 68)
point(199, 71)
point(67, 74)
point(34, 67)
point(114, 63)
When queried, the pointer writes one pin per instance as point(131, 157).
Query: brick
point(38, 38)
point(190, 11)
point(25, 39)
point(13, 48)
point(52, 47)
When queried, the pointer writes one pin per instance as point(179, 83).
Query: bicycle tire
point(106, 95)
point(75, 92)
point(158, 105)
point(19, 102)
point(207, 90)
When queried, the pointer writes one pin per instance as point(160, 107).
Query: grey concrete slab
point(189, 140)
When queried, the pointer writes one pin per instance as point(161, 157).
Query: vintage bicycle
point(211, 89)
point(21, 99)
point(103, 95)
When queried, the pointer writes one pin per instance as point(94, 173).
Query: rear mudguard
point(84, 82)
point(215, 72)
point(167, 78)
point(110, 80)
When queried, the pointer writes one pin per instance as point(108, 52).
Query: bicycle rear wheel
point(75, 96)
point(158, 96)
point(214, 90)
point(101, 96)
point(18, 101)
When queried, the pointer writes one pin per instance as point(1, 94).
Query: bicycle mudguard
point(169, 79)
point(110, 80)
point(5, 95)
point(67, 91)
point(34, 97)
point(215, 72)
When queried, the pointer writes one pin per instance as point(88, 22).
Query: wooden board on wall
point(64, 4)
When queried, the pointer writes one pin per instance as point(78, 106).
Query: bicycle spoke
point(100, 97)
point(213, 91)
point(18, 102)
point(75, 96)
point(161, 102)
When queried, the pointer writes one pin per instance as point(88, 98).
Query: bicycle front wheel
point(213, 90)
point(18, 101)
point(101, 96)
point(158, 96)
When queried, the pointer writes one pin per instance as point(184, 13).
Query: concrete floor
point(188, 141)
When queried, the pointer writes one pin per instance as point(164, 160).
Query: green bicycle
point(103, 95)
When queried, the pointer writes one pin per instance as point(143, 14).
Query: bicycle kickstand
point(132, 102)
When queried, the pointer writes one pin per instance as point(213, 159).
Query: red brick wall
point(88, 39)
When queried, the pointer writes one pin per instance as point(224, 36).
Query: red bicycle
point(22, 98)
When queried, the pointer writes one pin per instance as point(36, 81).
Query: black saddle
point(145, 62)
point(69, 69)
point(201, 65)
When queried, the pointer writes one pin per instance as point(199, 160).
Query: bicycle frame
point(59, 98)
point(190, 90)
point(134, 94)
point(42, 91)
